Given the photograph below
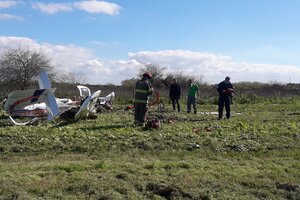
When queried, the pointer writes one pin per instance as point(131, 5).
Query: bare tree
point(20, 66)
point(155, 70)
point(182, 79)
point(71, 77)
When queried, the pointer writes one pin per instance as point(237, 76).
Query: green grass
point(254, 155)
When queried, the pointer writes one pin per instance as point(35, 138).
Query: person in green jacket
point(193, 93)
point(143, 89)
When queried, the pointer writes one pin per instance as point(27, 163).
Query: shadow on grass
point(294, 113)
point(113, 126)
point(185, 119)
point(67, 122)
point(5, 124)
point(4, 121)
point(198, 119)
point(3, 117)
point(63, 123)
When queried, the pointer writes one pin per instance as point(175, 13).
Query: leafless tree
point(71, 77)
point(155, 70)
point(182, 79)
point(21, 65)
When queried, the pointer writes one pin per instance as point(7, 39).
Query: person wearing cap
point(174, 94)
point(193, 93)
point(226, 90)
point(143, 89)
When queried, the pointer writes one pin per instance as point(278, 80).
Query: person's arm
point(232, 89)
point(150, 89)
point(220, 88)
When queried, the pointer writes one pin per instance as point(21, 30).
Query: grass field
point(254, 155)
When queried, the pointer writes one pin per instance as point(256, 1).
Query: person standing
point(143, 89)
point(225, 89)
point(174, 94)
point(191, 98)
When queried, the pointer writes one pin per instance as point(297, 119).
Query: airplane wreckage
point(37, 104)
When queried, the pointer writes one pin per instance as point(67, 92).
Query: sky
point(109, 41)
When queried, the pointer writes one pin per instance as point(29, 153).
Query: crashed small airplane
point(41, 103)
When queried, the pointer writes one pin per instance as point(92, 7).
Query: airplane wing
point(94, 101)
point(110, 97)
point(82, 112)
point(87, 106)
point(96, 94)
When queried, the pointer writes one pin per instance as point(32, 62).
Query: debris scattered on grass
point(287, 186)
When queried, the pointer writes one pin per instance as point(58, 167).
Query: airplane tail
point(51, 104)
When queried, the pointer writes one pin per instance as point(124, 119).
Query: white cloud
point(4, 16)
point(52, 8)
point(92, 6)
point(8, 4)
point(78, 60)
point(101, 43)
point(124, 69)
point(95, 6)
point(92, 18)
point(66, 58)
point(213, 67)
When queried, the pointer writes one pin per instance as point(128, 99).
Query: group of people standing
point(144, 89)
point(192, 95)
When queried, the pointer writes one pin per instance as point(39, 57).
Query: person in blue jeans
point(193, 93)
point(226, 90)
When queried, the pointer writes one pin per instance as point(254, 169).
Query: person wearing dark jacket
point(225, 89)
point(174, 94)
point(143, 89)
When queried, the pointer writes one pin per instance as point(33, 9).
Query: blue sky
point(108, 41)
